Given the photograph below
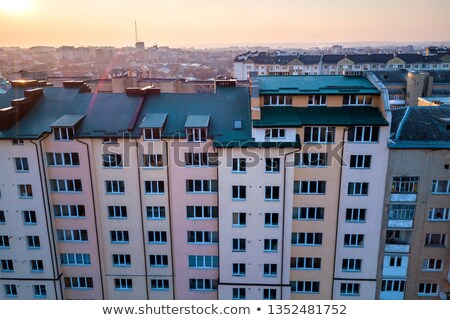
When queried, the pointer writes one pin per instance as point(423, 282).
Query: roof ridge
point(400, 126)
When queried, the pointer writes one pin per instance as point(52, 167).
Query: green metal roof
point(278, 117)
point(197, 121)
point(153, 120)
point(316, 84)
point(251, 143)
point(68, 120)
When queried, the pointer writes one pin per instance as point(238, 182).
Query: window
point(306, 263)
point(272, 193)
point(123, 284)
point(199, 186)
point(206, 237)
point(239, 219)
point(112, 160)
point(349, 289)
point(360, 161)
point(37, 265)
point(77, 259)
point(196, 134)
point(353, 240)
point(121, 260)
point(157, 237)
point(356, 100)
point(441, 186)
point(203, 262)
point(428, 289)
point(358, 188)
point(63, 134)
point(306, 287)
point(436, 240)
point(119, 236)
point(33, 242)
point(153, 160)
point(401, 211)
point(272, 165)
point(39, 291)
point(154, 187)
point(271, 245)
point(239, 245)
point(404, 184)
point(395, 261)
point(275, 134)
point(238, 269)
point(308, 213)
point(319, 134)
point(202, 212)
point(355, 215)
point(2, 217)
point(309, 187)
point(312, 160)
point(18, 142)
point(10, 290)
point(269, 294)
point(60, 185)
point(117, 212)
point(238, 293)
point(21, 164)
point(200, 159)
point(239, 165)
point(270, 269)
point(69, 211)
point(72, 235)
point(351, 265)
point(4, 241)
point(25, 191)
point(306, 239)
point(439, 214)
point(202, 284)
point(63, 159)
point(239, 193)
point(278, 100)
point(110, 141)
point(7, 265)
point(159, 284)
point(363, 134)
point(152, 134)
point(237, 124)
point(115, 186)
point(317, 100)
point(29, 217)
point(393, 285)
point(78, 283)
point(432, 265)
point(156, 213)
point(159, 260)
point(271, 219)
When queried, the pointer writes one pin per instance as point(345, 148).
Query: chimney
point(254, 96)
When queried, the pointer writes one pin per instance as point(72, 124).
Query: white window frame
point(153, 160)
point(239, 245)
point(241, 192)
point(63, 134)
point(203, 262)
point(75, 259)
point(196, 134)
point(432, 265)
point(402, 184)
point(201, 186)
point(357, 134)
point(317, 100)
point(277, 100)
point(359, 100)
point(439, 214)
point(271, 219)
point(275, 134)
point(203, 237)
point(355, 215)
point(307, 239)
point(152, 134)
point(123, 284)
point(351, 265)
point(154, 187)
point(21, 164)
point(239, 219)
point(270, 245)
point(119, 236)
point(157, 237)
point(158, 260)
point(200, 159)
point(273, 165)
point(393, 285)
point(312, 160)
point(436, 185)
point(202, 212)
point(306, 263)
point(2, 217)
point(305, 287)
point(239, 294)
point(7, 265)
point(159, 284)
point(72, 235)
point(272, 193)
point(25, 191)
point(29, 217)
point(39, 291)
point(121, 260)
point(10, 290)
point(350, 289)
point(360, 161)
point(238, 270)
point(430, 240)
point(428, 289)
point(69, 211)
point(270, 270)
point(311, 186)
point(156, 212)
point(354, 240)
point(33, 242)
point(324, 134)
point(117, 212)
point(269, 294)
point(66, 185)
point(358, 189)
point(112, 161)
point(65, 159)
point(115, 186)
point(79, 283)
point(239, 165)
point(202, 284)
point(308, 213)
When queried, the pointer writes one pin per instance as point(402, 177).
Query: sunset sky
point(200, 23)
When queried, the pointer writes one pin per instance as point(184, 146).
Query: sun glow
point(15, 6)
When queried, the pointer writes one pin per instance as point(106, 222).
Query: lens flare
point(15, 6)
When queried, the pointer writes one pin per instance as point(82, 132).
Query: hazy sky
point(175, 23)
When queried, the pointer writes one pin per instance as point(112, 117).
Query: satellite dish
point(443, 295)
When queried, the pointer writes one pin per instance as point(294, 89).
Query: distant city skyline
point(203, 23)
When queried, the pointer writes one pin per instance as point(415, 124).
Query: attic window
point(63, 134)
point(237, 124)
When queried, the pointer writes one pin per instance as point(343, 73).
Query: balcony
point(397, 241)
point(397, 248)
point(391, 295)
point(401, 216)
point(395, 266)
point(403, 197)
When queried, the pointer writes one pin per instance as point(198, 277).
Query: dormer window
point(64, 127)
point(152, 125)
point(197, 128)
point(63, 134)
point(275, 134)
point(278, 100)
point(317, 100)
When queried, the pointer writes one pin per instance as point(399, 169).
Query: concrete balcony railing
point(403, 197)
point(397, 248)
point(391, 295)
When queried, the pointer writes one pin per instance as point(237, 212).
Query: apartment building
point(282, 63)
point(415, 227)
point(276, 191)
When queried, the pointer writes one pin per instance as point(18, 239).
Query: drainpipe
point(284, 218)
point(95, 216)
point(48, 217)
point(142, 219)
point(338, 209)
